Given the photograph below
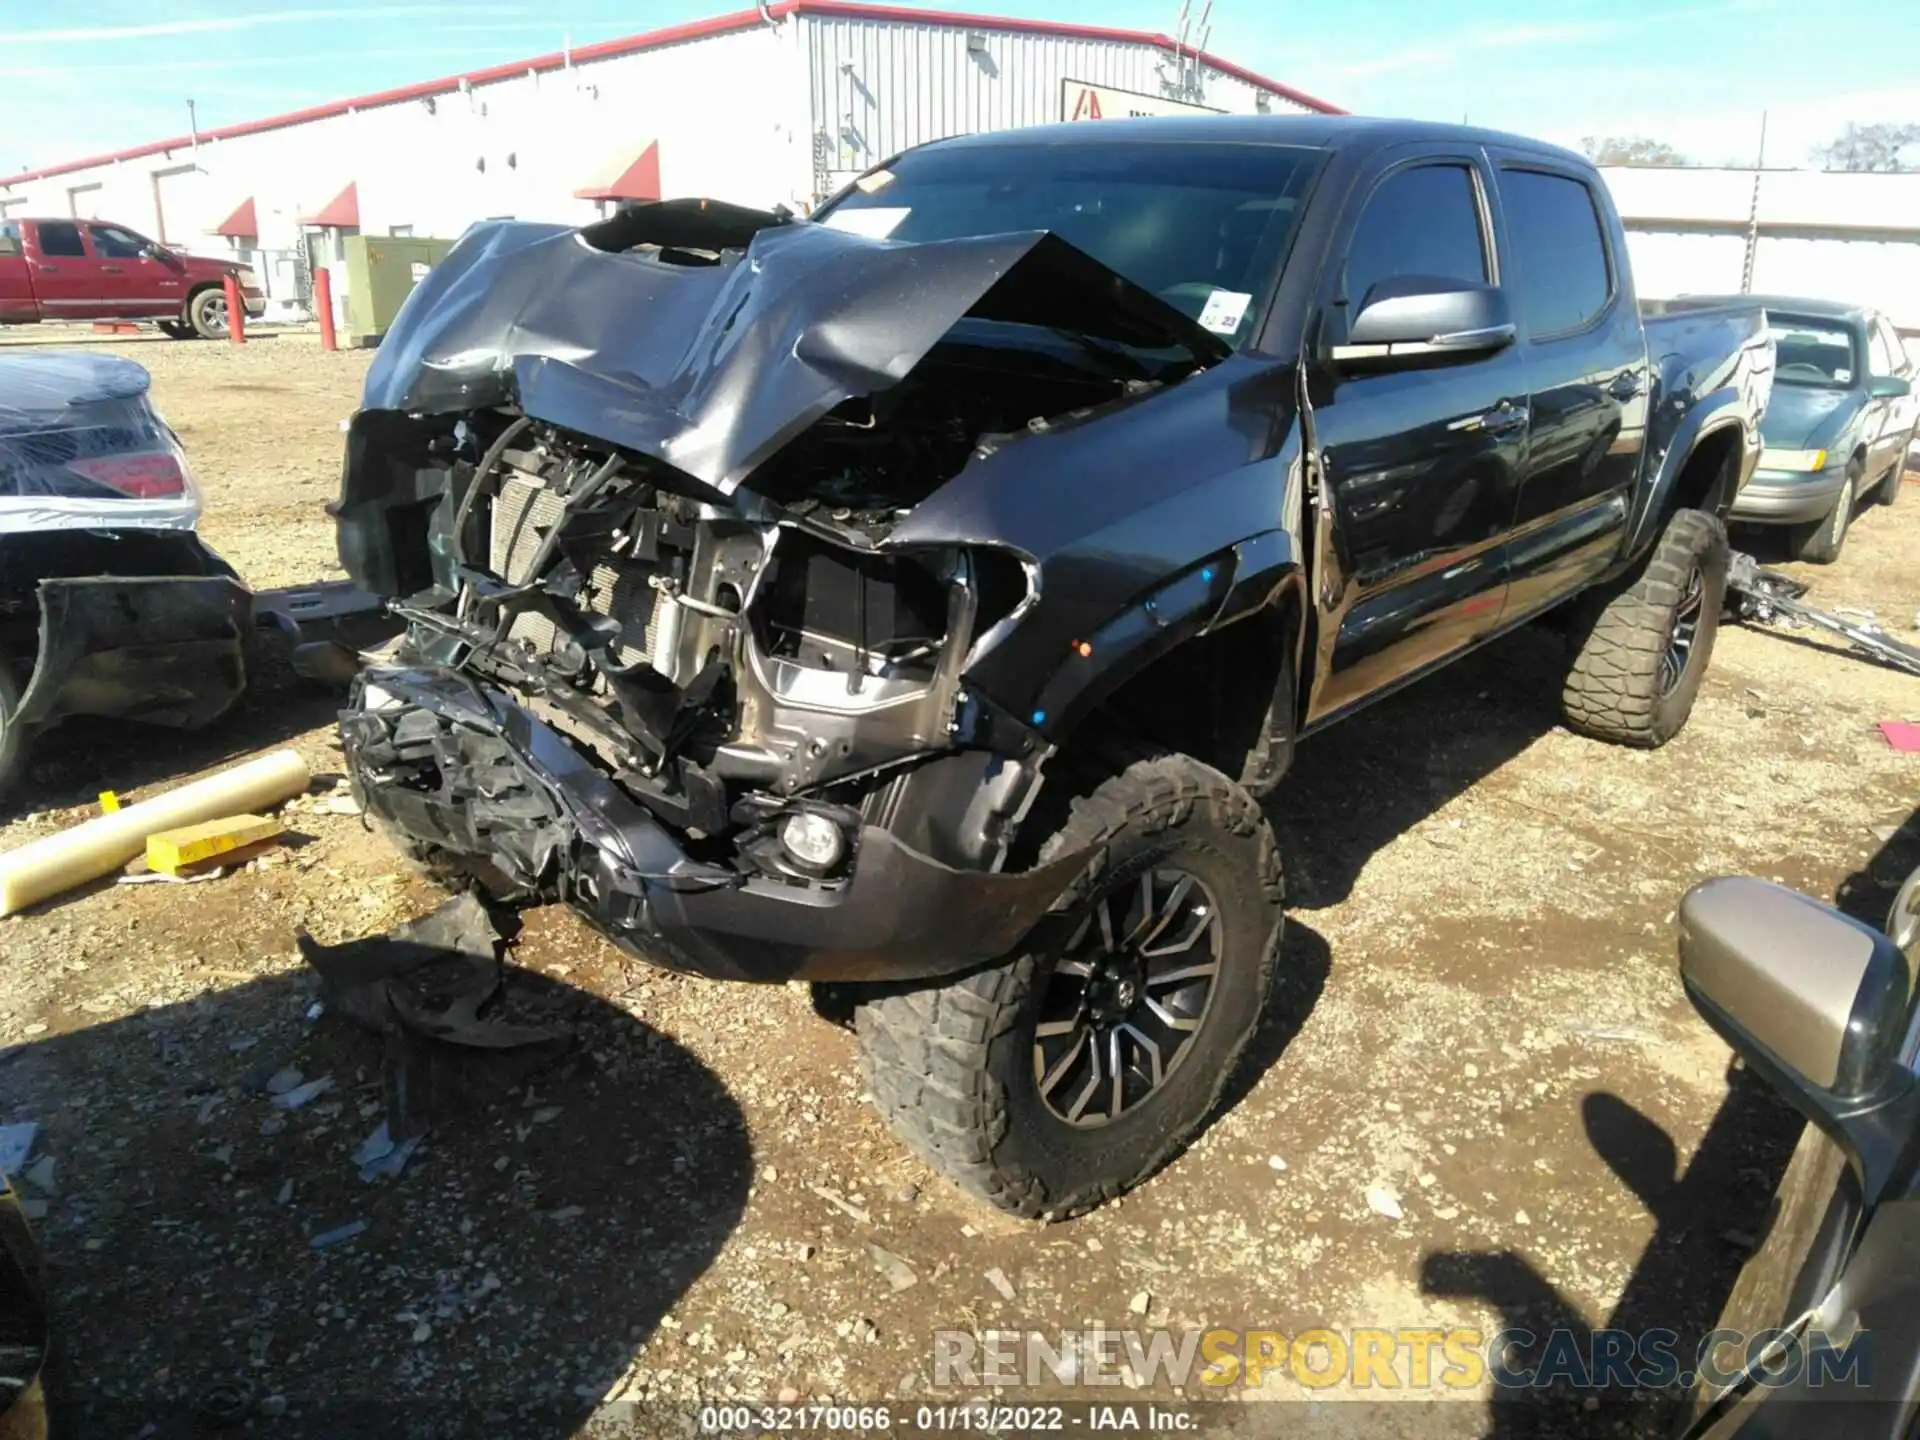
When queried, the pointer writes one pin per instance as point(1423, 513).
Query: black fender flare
point(1243, 580)
point(1712, 414)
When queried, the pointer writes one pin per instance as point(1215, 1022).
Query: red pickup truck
point(93, 270)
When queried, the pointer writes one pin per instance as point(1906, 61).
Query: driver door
point(141, 283)
point(1420, 468)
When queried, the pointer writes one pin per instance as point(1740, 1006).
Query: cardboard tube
point(54, 863)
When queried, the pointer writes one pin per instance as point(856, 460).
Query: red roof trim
point(639, 181)
point(342, 212)
point(240, 224)
point(676, 35)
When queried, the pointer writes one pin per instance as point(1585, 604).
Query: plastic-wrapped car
point(110, 604)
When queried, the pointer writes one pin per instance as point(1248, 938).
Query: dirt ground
point(1480, 1018)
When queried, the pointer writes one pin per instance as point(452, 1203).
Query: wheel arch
point(1224, 691)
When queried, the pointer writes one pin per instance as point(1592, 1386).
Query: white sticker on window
point(1843, 377)
point(1224, 311)
point(876, 223)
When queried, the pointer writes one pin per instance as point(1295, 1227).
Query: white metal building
point(780, 104)
point(1834, 236)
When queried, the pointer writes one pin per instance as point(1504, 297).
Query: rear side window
point(1560, 250)
point(9, 237)
point(1424, 221)
point(61, 239)
point(1883, 356)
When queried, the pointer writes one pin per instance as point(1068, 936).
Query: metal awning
point(626, 174)
point(343, 211)
point(241, 224)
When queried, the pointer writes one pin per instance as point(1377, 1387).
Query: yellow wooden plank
point(172, 850)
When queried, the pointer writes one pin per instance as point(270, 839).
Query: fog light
point(813, 840)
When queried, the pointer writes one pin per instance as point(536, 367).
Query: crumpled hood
point(714, 367)
point(1806, 417)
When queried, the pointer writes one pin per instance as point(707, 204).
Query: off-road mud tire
point(1619, 637)
point(950, 1065)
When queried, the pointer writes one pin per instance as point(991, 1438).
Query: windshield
point(1203, 226)
point(1812, 352)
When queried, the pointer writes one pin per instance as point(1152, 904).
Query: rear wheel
point(1889, 491)
point(1820, 543)
point(1641, 649)
point(207, 313)
point(1076, 1069)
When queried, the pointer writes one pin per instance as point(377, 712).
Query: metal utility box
point(381, 272)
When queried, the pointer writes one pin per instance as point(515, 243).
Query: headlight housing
point(1771, 459)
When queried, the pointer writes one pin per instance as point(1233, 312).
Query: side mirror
point(1889, 387)
point(1815, 1002)
point(1413, 319)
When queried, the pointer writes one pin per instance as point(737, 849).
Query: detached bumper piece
point(164, 651)
point(485, 786)
point(1771, 598)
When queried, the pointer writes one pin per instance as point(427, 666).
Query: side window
point(1424, 221)
point(9, 237)
point(61, 239)
point(1560, 250)
point(110, 242)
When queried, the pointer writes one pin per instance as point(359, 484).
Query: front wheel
point(1640, 650)
point(1820, 543)
point(1077, 1068)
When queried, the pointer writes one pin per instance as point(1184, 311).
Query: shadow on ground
point(560, 1205)
point(1371, 778)
point(1708, 1220)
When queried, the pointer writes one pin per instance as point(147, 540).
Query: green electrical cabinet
point(381, 272)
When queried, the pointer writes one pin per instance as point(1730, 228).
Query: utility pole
point(1753, 211)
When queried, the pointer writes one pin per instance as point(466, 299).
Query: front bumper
point(1789, 497)
point(487, 787)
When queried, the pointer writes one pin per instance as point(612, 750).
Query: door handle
point(1504, 417)
point(111, 270)
point(1625, 385)
point(46, 269)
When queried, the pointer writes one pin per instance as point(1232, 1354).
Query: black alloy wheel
point(1127, 995)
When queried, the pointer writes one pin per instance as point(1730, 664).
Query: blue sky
point(92, 75)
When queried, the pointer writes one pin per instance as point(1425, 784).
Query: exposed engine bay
point(703, 651)
point(652, 497)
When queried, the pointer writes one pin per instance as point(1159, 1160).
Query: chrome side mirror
point(1419, 319)
point(1815, 1001)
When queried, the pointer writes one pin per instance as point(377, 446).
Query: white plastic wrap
point(58, 408)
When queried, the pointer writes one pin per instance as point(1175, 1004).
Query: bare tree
point(1630, 150)
point(1889, 145)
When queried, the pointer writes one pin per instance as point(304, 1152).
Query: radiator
point(522, 515)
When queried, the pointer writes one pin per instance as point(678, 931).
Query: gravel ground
point(1481, 1027)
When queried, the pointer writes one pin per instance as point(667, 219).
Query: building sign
point(1081, 100)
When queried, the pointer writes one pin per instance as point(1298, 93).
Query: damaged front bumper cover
point(484, 785)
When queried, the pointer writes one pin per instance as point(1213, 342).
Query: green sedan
point(1838, 426)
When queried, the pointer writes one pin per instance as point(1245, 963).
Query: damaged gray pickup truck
point(922, 596)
